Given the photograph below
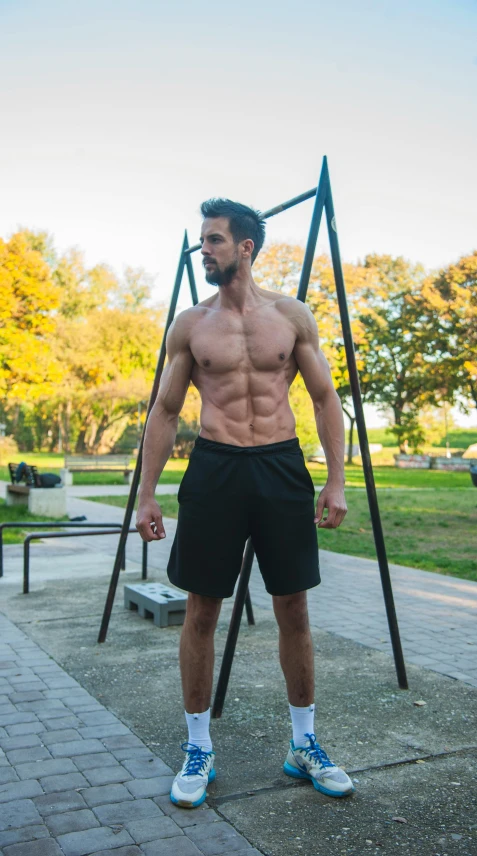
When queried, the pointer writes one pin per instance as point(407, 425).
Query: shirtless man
point(246, 477)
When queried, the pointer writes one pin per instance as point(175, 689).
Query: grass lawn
point(424, 529)
point(18, 514)
point(53, 463)
point(385, 473)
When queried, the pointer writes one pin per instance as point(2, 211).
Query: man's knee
point(291, 612)
point(202, 613)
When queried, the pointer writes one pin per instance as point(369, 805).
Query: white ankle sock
point(198, 725)
point(302, 723)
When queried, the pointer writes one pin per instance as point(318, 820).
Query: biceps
point(174, 383)
point(315, 371)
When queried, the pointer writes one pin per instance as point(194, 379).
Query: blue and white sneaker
point(189, 786)
point(311, 762)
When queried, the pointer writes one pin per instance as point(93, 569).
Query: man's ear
point(247, 247)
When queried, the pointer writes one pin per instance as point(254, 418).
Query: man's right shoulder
point(183, 324)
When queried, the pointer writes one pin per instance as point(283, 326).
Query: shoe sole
point(186, 803)
point(300, 774)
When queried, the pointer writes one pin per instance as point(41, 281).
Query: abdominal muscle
point(245, 409)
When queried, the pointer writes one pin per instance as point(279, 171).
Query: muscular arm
point(162, 423)
point(328, 414)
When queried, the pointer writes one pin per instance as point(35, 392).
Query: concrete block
point(16, 498)
point(107, 775)
point(69, 781)
point(153, 828)
point(64, 801)
point(214, 839)
point(76, 747)
point(89, 762)
point(91, 840)
point(66, 477)
point(43, 847)
point(71, 821)
point(47, 501)
point(19, 813)
point(163, 604)
point(38, 769)
point(110, 815)
point(144, 788)
point(180, 846)
point(15, 791)
point(25, 833)
point(106, 794)
point(147, 768)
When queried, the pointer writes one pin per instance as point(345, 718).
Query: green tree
point(451, 312)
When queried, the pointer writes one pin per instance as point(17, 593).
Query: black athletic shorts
point(229, 493)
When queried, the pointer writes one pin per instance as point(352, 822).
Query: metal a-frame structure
point(323, 202)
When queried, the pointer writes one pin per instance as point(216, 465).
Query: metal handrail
point(45, 535)
point(64, 524)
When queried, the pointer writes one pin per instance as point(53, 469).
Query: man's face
point(220, 253)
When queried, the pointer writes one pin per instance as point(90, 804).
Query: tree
point(27, 321)
point(451, 306)
point(397, 364)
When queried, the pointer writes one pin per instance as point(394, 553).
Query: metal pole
point(44, 536)
point(26, 566)
point(363, 439)
point(313, 235)
point(137, 471)
point(190, 273)
point(309, 194)
point(144, 560)
point(28, 525)
point(249, 609)
point(232, 635)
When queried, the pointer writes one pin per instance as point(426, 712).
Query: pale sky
point(118, 118)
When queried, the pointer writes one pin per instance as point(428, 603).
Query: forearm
point(330, 426)
point(159, 440)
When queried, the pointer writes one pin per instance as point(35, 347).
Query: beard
point(222, 277)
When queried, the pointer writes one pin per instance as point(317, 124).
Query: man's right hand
point(149, 520)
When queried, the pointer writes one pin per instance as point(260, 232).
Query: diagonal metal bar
point(137, 471)
point(309, 194)
point(363, 439)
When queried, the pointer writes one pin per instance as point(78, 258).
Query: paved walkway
point(437, 614)
point(75, 781)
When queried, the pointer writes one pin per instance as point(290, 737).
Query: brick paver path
point(75, 781)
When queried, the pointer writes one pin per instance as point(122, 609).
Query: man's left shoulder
point(296, 312)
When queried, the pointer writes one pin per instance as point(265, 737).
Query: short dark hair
point(244, 222)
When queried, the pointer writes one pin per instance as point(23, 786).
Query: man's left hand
point(332, 498)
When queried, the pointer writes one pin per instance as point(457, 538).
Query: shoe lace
point(316, 753)
point(196, 759)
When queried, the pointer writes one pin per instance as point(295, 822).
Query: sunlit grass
point(435, 532)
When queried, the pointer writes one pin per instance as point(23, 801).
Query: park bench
point(46, 501)
point(95, 464)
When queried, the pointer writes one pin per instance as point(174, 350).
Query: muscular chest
point(259, 342)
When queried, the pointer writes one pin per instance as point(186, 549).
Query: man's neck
point(240, 295)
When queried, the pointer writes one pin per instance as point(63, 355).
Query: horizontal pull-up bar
point(309, 194)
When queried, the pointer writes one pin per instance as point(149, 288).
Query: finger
point(320, 507)
point(341, 516)
point(146, 532)
point(159, 526)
